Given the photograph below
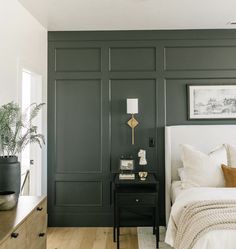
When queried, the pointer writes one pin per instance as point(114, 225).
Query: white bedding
point(220, 239)
point(176, 188)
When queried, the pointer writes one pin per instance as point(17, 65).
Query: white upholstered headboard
point(203, 137)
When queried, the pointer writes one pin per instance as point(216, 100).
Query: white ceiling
point(133, 14)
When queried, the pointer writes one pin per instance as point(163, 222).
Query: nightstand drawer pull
point(14, 235)
point(137, 200)
point(39, 208)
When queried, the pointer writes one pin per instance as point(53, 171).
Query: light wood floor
point(90, 238)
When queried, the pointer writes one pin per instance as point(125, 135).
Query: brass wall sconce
point(132, 108)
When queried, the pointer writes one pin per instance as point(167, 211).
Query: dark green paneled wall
point(90, 75)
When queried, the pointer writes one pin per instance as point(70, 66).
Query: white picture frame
point(126, 164)
point(211, 101)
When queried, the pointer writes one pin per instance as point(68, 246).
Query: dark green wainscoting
point(90, 75)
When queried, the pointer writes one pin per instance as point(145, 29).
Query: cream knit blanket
point(200, 217)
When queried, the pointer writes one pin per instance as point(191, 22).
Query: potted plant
point(16, 132)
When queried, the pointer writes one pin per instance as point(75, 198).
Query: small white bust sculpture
point(142, 155)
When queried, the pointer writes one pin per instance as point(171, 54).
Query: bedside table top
point(151, 179)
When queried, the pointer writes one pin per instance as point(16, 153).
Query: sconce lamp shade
point(132, 106)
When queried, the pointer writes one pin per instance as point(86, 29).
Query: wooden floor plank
point(90, 238)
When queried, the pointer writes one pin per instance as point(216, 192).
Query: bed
point(203, 137)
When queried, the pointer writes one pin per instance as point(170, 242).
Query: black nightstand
point(139, 197)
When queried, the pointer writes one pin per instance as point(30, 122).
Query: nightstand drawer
point(136, 199)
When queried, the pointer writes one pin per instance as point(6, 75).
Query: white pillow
point(181, 173)
point(201, 169)
point(231, 153)
point(185, 184)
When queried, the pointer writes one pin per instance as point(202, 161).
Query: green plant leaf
point(16, 128)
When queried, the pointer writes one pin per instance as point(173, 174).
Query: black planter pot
point(10, 174)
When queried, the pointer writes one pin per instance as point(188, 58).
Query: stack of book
point(126, 176)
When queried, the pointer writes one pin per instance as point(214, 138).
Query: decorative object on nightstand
point(126, 168)
point(143, 175)
point(140, 200)
point(132, 108)
point(142, 161)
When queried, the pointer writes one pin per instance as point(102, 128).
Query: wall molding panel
point(85, 193)
point(90, 75)
point(132, 59)
point(78, 59)
point(74, 93)
point(187, 58)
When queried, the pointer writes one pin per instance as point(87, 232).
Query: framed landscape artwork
point(212, 101)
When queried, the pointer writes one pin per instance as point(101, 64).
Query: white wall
point(23, 42)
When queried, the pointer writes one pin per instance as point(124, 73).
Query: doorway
point(31, 157)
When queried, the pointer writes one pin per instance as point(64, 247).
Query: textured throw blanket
point(200, 217)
